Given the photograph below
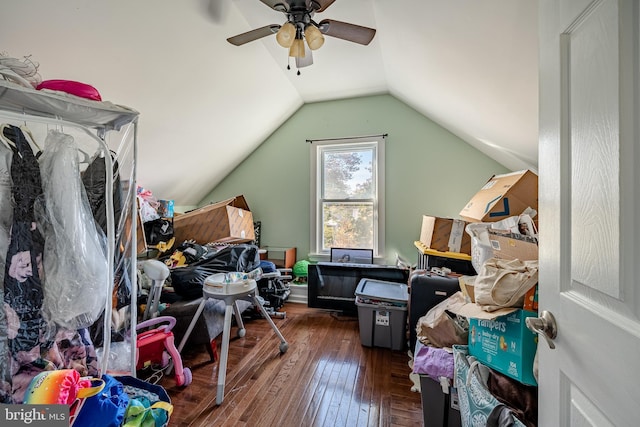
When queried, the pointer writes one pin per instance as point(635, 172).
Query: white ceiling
point(469, 65)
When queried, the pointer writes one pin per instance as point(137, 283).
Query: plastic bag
point(76, 275)
point(481, 249)
point(439, 329)
point(148, 205)
point(158, 230)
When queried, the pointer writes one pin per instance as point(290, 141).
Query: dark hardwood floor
point(326, 378)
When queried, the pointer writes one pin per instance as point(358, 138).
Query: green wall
point(428, 171)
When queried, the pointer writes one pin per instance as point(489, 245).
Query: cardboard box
point(445, 234)
point(513, 246)
point(467, 287)
point(227, 221)
point(503, 196)
point(531, 299)
point(281, 257)
point(141, 241)
point(505, 344)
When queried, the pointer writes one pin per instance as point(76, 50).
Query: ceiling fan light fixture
point(297, 49)
point(286, 35)
point(314, 37)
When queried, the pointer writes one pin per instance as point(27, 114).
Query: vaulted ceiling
point(469, 65)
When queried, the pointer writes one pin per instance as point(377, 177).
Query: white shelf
point(59, 105)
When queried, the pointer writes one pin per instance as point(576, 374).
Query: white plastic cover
point(74, 256)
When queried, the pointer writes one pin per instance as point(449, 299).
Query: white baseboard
point(298, 294)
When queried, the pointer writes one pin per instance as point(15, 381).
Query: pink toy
point(156, 346)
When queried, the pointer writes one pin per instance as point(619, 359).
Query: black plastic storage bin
point(439, 409)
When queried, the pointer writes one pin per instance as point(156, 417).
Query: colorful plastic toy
point(157, 347)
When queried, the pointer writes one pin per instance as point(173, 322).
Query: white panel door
point(589, 205)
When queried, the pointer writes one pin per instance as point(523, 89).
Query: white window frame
point(317, 148)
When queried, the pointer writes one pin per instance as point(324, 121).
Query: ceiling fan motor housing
point(300, 14)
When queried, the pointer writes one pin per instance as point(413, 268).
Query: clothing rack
point(96, 119)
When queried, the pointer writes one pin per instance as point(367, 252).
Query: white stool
point(230, 293)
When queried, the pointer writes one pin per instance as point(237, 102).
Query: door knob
point(545, 326)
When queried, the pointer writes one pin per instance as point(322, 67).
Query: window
point(347, 194)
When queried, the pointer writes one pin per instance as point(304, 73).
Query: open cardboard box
point(227, 221)
point(503, 196)
point(445, 234)
point(510, 246)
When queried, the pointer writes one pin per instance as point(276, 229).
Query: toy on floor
point(158, 273)
point(156, 347)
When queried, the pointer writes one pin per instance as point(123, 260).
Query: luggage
point(426, 291)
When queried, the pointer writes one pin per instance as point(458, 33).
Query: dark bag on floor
point(187, 281)
point(158, 230)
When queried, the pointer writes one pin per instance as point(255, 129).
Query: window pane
point(347, 225)
point(347, 174)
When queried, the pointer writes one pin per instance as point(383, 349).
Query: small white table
point(230, 293)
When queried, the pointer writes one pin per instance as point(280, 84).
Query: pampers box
point(505, 344)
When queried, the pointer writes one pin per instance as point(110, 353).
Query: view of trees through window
point(348, 196)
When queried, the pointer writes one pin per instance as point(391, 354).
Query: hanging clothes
point(6, 217)
point(6, 203)
point(94, 180)
point(28, 344)
point(23, 292)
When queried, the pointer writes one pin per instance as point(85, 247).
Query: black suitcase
point(426, 291)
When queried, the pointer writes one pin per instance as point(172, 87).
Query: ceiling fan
point(300, 26)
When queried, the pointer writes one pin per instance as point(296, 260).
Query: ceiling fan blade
point(252, 35)
point(321, 5)
point(279, 5)
point(344, 30)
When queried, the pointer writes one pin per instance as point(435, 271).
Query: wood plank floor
point(326, 378)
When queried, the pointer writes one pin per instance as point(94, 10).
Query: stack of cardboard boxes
point(498, 339)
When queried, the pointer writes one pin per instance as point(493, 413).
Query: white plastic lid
point(378, 289)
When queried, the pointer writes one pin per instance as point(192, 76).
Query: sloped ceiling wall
point(469, 65)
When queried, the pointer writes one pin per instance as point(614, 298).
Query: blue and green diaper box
point(505, 344)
